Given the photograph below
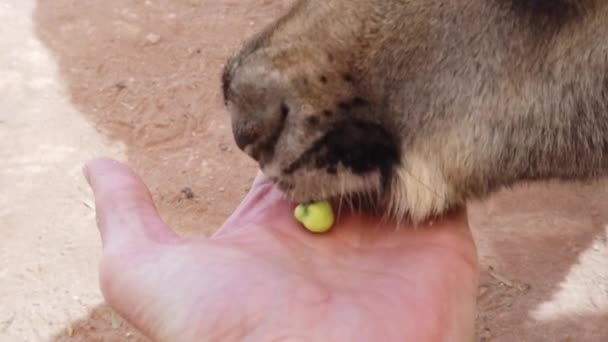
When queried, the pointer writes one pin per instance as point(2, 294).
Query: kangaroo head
point(418, 106)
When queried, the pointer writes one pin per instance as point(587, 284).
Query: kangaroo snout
point(422, 106)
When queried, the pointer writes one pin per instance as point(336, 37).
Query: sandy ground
point(139, 81)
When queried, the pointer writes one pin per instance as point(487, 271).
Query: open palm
point(262, 277)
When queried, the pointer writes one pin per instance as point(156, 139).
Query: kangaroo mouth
point(342, 186)
point(342, 190)
point(352, 163)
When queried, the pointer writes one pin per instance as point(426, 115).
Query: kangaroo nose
point(246, 135)
point(255, 99)
point(257, 132)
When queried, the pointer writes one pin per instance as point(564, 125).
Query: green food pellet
point(317, 217)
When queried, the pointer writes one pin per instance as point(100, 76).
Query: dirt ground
point(139, 81)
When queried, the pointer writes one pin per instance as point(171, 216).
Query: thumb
point(126, 213)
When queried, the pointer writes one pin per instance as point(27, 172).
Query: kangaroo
point(420, 106)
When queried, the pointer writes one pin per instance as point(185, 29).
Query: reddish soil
point(146, 73)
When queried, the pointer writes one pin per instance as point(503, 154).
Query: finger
point(262, 200)
point(125, 210)
point(259, 180)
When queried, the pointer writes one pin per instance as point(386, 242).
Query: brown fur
point(479, 94)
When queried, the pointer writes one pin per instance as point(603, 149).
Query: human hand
point(262, 277)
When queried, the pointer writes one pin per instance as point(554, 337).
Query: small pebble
point(120, 86)
point(153, 38)
point(187, 191)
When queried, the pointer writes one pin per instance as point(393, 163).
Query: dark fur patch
point(355, 102)
point(226, 79)
point(344, 105)
point(284, 111)
point(323, 79)
point(359, 102)
point(313, 120)
point(348, 78)
point(361, 146)
point(548, 14)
